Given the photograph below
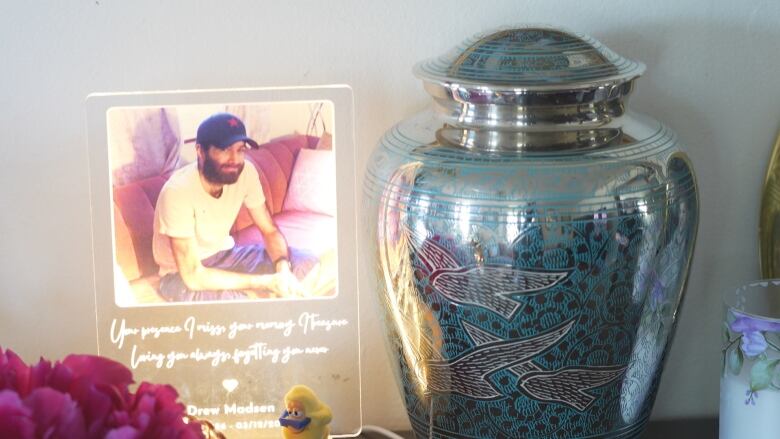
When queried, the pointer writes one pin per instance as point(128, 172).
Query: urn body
point(531, 239)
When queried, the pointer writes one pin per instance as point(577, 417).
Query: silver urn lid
point(530, 88)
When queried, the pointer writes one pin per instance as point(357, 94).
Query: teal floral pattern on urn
point(530, 238)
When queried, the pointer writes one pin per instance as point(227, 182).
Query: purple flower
point(753, 343)
point(743, 324)
point(751, 397)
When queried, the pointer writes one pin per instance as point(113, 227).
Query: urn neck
point(481, 118)
point(529, 88)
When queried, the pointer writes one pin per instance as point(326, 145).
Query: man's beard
point(215, 175)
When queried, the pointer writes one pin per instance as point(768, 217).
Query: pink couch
point(134, 214)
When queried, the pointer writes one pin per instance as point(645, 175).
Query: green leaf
point(735, 359)
point(730, 317)
point(761, 374)
point(726, 334)
point(775, 383)
point(773, 338)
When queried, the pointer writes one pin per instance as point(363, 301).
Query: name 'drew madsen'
point(231, 409)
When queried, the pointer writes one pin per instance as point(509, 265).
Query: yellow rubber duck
point(305, 417)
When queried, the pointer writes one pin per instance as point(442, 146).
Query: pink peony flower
point(14, 373)
point(157, 414)
point(15, 417)
point(86, 396)
point(55, 414)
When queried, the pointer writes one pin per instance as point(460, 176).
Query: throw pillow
point(312, 186)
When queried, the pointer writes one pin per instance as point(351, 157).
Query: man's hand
point(287, 285)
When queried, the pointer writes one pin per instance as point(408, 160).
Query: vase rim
point(758, 299)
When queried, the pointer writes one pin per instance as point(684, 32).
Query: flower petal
point(126, 432)
point(753, 343)
point(14, 373)
point(15, 417)
point(100, 370)
point(55, 414)
point(743, 323)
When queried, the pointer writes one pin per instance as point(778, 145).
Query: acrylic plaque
point(224, 248)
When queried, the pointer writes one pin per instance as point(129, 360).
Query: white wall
point(712, 75)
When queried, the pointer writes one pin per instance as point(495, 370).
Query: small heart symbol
point(230, 384)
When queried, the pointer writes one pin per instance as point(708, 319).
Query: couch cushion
point(285, 158)
point(312, 187)
point(125, 254)
point(135, 203)
point(272, 177)
point(293, 143)
point(275, 160)
point(305, 230)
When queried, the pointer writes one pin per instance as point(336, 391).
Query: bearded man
point(198, 258)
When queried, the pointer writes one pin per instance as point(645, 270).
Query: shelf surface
point(704, 428)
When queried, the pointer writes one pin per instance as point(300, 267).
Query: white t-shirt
point(185, 210)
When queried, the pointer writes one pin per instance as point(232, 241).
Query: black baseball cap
point(222, 130)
